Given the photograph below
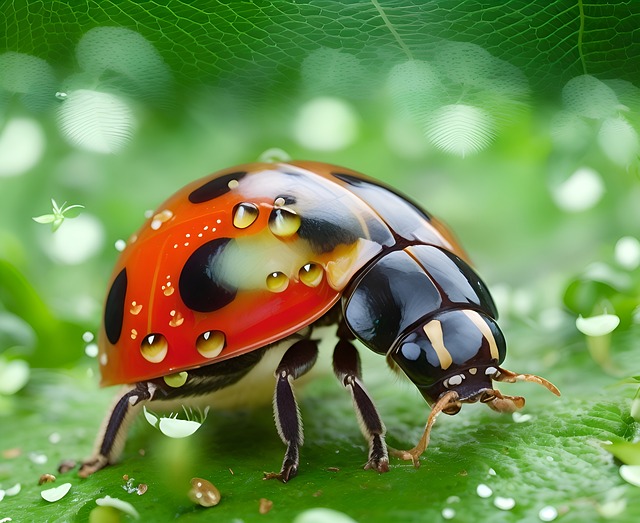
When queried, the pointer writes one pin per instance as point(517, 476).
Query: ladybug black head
point(455, 350)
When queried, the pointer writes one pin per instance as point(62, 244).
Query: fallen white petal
point(56, 493)
point(598, 325)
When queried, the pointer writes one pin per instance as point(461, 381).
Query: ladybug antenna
point(448, 403)
point(511, 377)
point(503, 403)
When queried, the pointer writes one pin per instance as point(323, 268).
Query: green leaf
point(258, 43)
point(551, 460)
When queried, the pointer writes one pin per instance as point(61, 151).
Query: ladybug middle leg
point(346, 366)
point(298, 360)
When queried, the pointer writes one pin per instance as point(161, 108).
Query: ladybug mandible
point(245, 263)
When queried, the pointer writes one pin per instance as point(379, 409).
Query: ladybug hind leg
point(112, 436)
point(298, 360)
point(346, 366)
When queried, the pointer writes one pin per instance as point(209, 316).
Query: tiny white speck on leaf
point(55, 438)
point(521, 418)
point(120, 245)
point(448, 513)
point(627, 252)
point(548, 513)
point(87, 337)
point(91, 350)
point(484, 491)
point(38, 458)
point(504, 503)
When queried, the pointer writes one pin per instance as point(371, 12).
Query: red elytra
point(151, 301)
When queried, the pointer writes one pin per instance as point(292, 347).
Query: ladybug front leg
point(298, 360)
point(112, 436)
point(346, 365)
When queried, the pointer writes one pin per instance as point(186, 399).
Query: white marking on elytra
point(233, 184)
point(473, 371)
point(490, 371)
point(218, 221)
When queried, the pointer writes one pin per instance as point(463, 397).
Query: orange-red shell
point(252, 254)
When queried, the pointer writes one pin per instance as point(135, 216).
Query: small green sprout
point(60, 213)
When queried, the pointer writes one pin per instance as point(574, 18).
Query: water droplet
point(244, 214)
point(154, 348)
point(277, 282)
point(61, 95)
point(311, 274)
point(135, 308)
point(204, 493)
point(176, 320)
point(209, 344)
point(176, 380)
point(484, 491)
point(284, 222)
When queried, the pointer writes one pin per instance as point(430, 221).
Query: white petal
point(56, 493)
point(150, 417)
point(597, 325)
point(178, 428)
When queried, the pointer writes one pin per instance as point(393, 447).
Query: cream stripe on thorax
point(433, 330)
point(485, 330)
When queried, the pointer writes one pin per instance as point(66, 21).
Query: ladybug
point(247, 263)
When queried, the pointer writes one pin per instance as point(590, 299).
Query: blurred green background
point(515, 123)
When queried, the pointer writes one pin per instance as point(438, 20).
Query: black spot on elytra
point(198, 286)
point(214, 188)
point(323, 235)
point(355, 181)
point(114, 308)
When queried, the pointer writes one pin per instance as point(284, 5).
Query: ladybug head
point(453, 358)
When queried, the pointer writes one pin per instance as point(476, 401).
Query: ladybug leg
point(346, 366)
point(111, 437)
point(298, 360)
